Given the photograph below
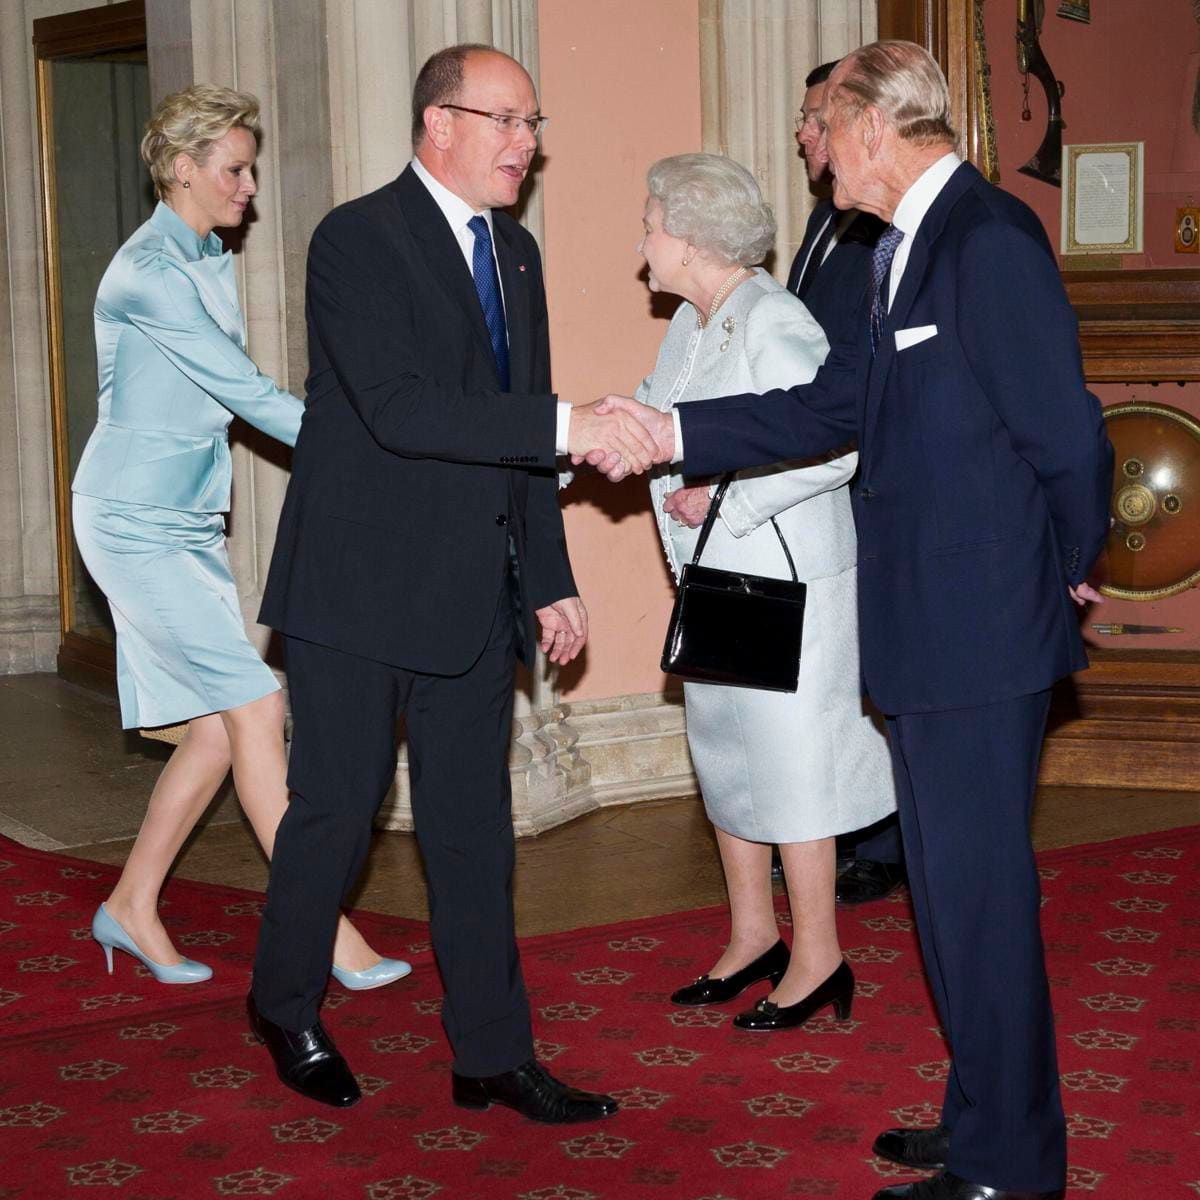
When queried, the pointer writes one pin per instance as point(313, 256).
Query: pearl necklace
point(719, 297)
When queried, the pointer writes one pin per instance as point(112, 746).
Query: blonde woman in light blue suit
point(148, 511)
point(789, 769)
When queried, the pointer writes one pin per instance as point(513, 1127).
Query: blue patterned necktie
point(881, 265)
point(487, 284)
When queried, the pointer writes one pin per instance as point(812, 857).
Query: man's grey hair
point(903, 81)
point(714, 204)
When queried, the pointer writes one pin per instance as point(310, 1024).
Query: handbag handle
point(711, 518)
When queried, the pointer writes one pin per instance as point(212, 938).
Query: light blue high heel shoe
point(385, 971)
point(111, 936)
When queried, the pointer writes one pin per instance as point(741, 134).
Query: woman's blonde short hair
point(189, 122)
point(714, 204)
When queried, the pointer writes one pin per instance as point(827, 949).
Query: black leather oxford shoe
point(950, 1187)
point(308, 1061)
point(771, 964)
point(534, 1093)
point(864, 880)
point(926, 1149)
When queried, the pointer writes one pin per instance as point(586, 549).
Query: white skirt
point(783, 767)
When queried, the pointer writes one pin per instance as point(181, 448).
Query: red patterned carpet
point(153, 1093)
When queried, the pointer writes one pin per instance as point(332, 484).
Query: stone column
point(168, 46)
point(754, 56)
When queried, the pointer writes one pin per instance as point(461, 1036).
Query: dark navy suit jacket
point(836, 293)
point(984, 471)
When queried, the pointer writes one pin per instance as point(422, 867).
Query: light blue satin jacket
point(172, 369)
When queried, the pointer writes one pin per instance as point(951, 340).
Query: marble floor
point(71, 780)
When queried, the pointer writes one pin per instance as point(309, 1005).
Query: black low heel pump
point(770, 965)
point(837, 990)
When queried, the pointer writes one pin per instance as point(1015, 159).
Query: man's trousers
point(965, 781)
point(343, 760)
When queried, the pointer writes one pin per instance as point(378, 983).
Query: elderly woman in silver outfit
point(774, 768)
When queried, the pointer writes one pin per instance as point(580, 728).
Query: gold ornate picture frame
point(1102, 195)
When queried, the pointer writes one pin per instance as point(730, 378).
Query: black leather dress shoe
point(776, 865)
point(837, 990)
point(534, 1093)
point(771, 964)
point(864, 880)
point(308, 1061)
point(951, 1187)
point(926, 1149)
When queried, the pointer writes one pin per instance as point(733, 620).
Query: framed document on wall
point(1102, 190)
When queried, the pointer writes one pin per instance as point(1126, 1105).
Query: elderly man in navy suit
point(830, 274)
point(981, 503)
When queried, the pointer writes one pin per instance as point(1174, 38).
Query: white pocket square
point(910, 337)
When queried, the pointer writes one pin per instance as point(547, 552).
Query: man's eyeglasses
point(505, 122)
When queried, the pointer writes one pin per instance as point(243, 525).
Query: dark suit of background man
point(830, 274)
point(419, 538)
point(981, 502)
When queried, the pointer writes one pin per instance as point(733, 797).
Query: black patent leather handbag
point(735, 629)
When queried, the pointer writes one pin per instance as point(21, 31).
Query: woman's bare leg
point(752, 928)
point(183, 791)
point(810, 869)
point(255, 733)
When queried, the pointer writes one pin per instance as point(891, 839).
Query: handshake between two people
point(620, 437)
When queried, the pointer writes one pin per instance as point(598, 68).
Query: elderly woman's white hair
point(714, 204)
point(904, 82)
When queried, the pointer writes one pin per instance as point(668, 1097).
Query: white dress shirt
point(911, 210)
point(457, 213)
point(907, 218)
point(844, 220)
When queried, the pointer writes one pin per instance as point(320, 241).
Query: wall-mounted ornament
point(1076, 10)
point(1046, 163)
point(1187, 230)
point(1123, 628)
point(981, 83)
point(1154, 543)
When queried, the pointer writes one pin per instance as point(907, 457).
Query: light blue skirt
point(182, 649)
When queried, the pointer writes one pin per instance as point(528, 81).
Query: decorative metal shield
point(1154, 544)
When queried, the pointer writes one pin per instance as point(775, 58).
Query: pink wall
point(1127, 75)
point(621, 79)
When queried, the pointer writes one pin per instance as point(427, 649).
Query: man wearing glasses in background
point(830, 274)
point(420, 537)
